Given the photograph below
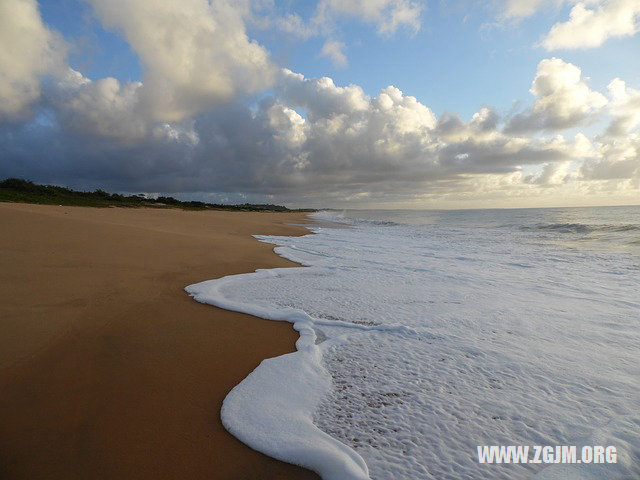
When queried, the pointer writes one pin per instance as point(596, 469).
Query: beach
point(108, 369)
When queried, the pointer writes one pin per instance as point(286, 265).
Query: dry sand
point(108, 370)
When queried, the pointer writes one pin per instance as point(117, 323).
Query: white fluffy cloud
point(104, 107)
point(320, 97)
point(590, 26)
point(614, 160)
point(590, 23)
point(195, 53)
point(624, 107)
point(617, 159)
point(29, 51)
point(551, 174)
point(563, 99)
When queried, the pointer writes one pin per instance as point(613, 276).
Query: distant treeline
point(19, 190)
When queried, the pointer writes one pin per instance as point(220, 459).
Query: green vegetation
point(19, 190)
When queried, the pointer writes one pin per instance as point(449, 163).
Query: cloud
point(320, 97)
point(563, 99)
point(105, 107)
point(190, 127)
point(617, 159)
point(552, 174)
point(29, 51)
point(195, 53)
point(311, 139)
point(624, 107)
point(590, 23)
point(591, 27)
point(293, 23)
point(348, 146)
point(310, 142)
point(522, 8)
point(386, 15)
point(335, 51)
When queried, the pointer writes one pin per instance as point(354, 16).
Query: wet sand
point(108, 369)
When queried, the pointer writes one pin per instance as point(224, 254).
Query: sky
point(326, 103)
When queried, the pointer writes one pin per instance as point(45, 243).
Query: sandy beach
point(108, 369)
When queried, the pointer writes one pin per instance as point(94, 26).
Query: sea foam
point(422, 337)
point(272, 409)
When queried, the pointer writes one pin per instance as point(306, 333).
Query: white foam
point(420, 342)
point(272, 409)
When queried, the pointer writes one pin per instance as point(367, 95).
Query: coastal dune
point(107, 368)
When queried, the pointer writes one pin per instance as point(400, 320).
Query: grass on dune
point(25, 191)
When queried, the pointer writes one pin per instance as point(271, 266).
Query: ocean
point(425, 334)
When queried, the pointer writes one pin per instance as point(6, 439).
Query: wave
point(335, 217)
point(580, 228)
point(418, 340)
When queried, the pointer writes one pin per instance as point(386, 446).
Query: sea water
point(424, 334)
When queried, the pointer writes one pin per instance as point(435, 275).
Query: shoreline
point(108, 369)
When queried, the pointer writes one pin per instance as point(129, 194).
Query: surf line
point(272, 409)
